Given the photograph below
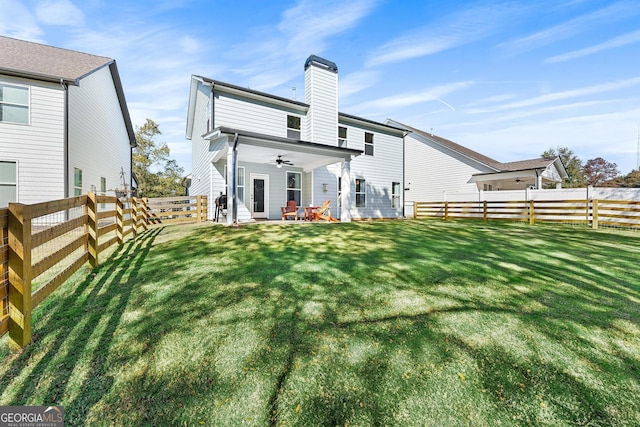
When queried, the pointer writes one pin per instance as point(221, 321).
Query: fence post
point(532, 218)
point(92, 221)
point(415, 210)
point(145, 214)
point(120, 221)
point(594, 214)
point(20, 275)
point(484, 210)
point(446, 210)
point(199, 207)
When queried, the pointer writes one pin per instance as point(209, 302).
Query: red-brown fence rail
point(593, 213)
point(42, 245)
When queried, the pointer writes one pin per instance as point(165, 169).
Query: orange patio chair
point(290, 211)
point(324, 212)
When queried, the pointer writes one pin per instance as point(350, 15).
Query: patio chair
point(290, 211)
point(324, 212)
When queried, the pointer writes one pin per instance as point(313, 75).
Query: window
point(368, 144)
point(395, 194)
point(8, 183)
point(240, 182)
point(361, 193)
point(14, 104)
point(77, 182)
point(339, 192)
point(342, 136)
point(103, 186)
point(294, 187)
point(293, 127)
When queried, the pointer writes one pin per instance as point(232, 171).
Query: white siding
point(38, 147)
point(201, 180)
point(321, 93)
point(98, 138)
point(253, 116)
point(432, 170)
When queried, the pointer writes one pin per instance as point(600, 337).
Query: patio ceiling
point(265, 149)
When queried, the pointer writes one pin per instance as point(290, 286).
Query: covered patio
point(265, 156)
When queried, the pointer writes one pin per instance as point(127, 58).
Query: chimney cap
point(331, 66)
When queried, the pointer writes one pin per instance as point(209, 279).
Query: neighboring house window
point(294, 187)
point(8, 183)
point(368, 144)
point(240, 182)
point(14, 104)
point(293, 127)
point(103, 186)
point(77, 182)
point(361, 193)
point(488, 187)
point(342, 136)
point(395, 194)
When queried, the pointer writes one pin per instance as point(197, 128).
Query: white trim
point(264, 177)
point(4, 83)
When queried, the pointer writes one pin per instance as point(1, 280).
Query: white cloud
point(59, 12)
point(557, 96)
point(572, 27)
point(412, 98)
point(356, 82)
point(624, 40)
point(447, 32)
point(18, 22)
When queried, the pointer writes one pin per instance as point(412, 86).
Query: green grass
point(374, 323)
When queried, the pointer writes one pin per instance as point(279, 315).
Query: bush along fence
point(593, 213)
point(42, 245)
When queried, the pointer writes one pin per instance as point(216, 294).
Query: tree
point(157, 174)
point(572, 164)
point(598, 171)
point(631, 180)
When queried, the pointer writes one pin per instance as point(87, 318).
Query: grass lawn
point(375, 323)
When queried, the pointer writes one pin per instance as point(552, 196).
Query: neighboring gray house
point(64, 124)
point(435, 166)
point(263, 150)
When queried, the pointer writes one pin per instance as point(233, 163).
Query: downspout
point(65, 132)
point(234, 181)
point(404, 173)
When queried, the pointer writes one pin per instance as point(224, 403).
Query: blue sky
point(508, 79)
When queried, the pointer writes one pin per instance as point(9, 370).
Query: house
point(436, 166)
point(64, 124)
point(262, 150)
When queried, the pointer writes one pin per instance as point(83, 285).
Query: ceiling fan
point(280, 162)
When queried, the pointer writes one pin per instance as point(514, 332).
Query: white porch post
point(345, 184)
point(232, 182)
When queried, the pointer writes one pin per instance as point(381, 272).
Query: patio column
point(345, 211)
point(232, 182)
point(539, 182)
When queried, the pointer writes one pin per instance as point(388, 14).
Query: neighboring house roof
point(53, 64)
point(488, 161)
point(521, 165)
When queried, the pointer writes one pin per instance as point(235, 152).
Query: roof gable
point(42, 62)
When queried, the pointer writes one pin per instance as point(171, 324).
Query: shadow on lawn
point(262, 319)
point(97, 304)
point(273, 276)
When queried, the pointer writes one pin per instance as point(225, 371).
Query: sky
point(508, 79)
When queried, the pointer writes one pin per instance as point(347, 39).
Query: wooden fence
point(593, 213)
point(42, 245)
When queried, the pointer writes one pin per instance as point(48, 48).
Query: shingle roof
point(23, 58)
point(539, 163)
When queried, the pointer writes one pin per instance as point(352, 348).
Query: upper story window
point(14, 104)
point(368, 144)
point(342, 136)
point(293, 127)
